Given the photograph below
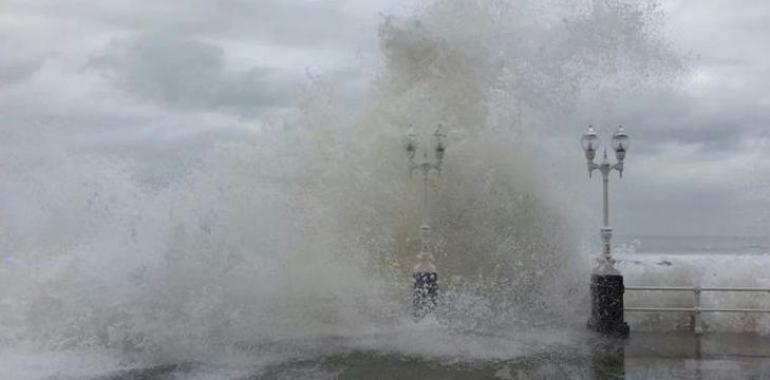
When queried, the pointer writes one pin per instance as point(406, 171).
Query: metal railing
point(696, 310)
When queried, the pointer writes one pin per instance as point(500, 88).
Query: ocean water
point(687, 244)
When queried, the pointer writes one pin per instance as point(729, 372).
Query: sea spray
point(308, 228)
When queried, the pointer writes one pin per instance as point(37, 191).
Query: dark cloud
point(192, 73)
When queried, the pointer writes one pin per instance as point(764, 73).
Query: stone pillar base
point(607, 305)
point(425, 294)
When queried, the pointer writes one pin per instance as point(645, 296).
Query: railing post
point(696, 318)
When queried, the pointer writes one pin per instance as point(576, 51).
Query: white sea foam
point(699, 270)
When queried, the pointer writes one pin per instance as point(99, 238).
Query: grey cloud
point(720, 120)
point(287, 22)
point(684, 209)
point(17, 70)
point(169, 70)
point(192, 73)
point(721, 102)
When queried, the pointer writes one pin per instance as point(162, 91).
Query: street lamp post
point(425, 291)
point(606, 281)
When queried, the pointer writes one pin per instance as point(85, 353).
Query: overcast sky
point(113, 74)
point(704, 165)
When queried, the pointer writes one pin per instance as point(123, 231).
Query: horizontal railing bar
point(651, 309)
point(692, 289)
point(760, 290)
point(736, 310)
point(661, 288)
point(693, 310)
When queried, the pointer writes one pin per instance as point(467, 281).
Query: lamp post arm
point(619, 167)
point(591, 167)
point(437, 167)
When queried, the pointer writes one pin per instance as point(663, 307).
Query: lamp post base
point(425, 293)
point(607, 305)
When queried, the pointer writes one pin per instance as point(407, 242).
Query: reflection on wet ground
point(642, 356)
